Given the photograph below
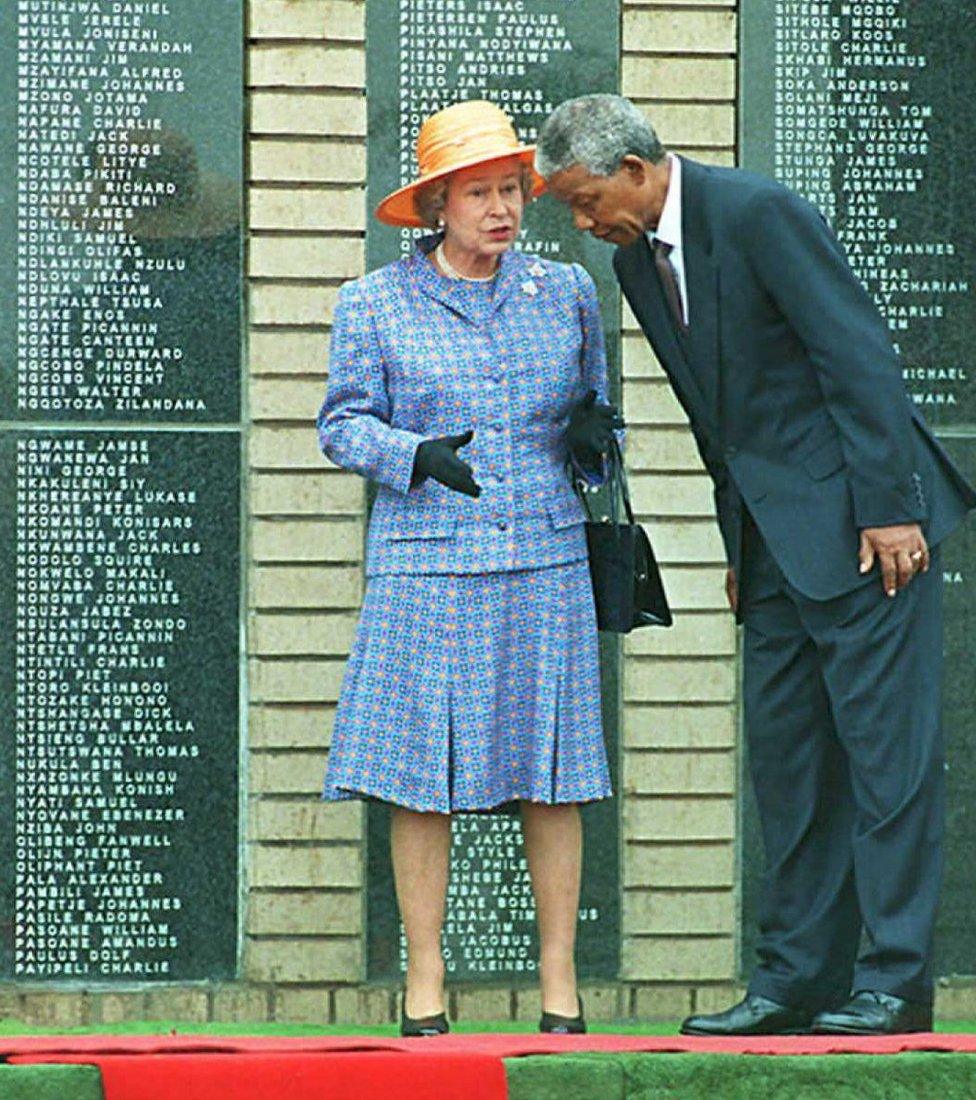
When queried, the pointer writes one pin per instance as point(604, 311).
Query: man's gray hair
point(597, 132)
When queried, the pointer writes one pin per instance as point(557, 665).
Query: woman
point(461, 380)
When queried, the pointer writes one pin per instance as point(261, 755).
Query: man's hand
point(732, 589)
point(901, 551)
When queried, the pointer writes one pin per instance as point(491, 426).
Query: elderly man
point(832, 499)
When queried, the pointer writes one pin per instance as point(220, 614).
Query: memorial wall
point(864, 108)
point(527, 57)
point(120, 470)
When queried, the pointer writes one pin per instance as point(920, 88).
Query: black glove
point(589, 435)
point(436, 458)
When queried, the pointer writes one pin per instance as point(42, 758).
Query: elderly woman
point(463, 381)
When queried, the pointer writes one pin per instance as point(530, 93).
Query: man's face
point(617, 208)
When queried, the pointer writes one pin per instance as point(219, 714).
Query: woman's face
point(483, 210)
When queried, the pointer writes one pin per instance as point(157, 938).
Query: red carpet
point(294, 1076)
point(465, 1067)
point(45, 1047)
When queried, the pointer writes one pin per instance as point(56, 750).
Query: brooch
point(529, 287)
point(537, 270)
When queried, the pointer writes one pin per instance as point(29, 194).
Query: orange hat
point(458, 137)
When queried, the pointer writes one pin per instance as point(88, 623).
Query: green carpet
point(182, 1027)
point(11, 1026)
point(50, 1083)
point(742, 1077)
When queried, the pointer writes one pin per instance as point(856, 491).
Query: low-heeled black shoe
point(421, 1026)
point(554, 1024)
point(869, 1012)
point(753, 1015)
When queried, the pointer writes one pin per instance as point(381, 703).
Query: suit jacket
point(790, 382)
point(415, 356)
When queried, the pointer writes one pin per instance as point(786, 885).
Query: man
point(832, 499)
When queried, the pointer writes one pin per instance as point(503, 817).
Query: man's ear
point(634, 169)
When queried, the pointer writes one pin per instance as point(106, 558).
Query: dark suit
point(796, 401)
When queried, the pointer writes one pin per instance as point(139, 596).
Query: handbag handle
point(617, 482)
point(617, 467)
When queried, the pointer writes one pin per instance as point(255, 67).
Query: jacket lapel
point(639, 281)
point(453, 293)
point(702, 279)
point(449, 292)
point(513, 275)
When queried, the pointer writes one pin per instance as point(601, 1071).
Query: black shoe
point(872, 1013)
point(555, 1024)
point(411, 1028)
point(754, 1015)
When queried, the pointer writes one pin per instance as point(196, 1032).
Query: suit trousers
point(842, 703)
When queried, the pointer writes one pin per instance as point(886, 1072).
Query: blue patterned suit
point(416, 355)
point(474, 677)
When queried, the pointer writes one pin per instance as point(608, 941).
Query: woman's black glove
point(589, 435)
point(436, 458)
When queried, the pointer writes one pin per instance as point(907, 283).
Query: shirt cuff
point(401, 453)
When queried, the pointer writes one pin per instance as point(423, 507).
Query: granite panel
point(121, 190)
point(527, 58)
point(119, 692)
point(120, 211)
point(865, 110)
point(862, 109)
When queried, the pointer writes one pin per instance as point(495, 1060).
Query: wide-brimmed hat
point(458, 137)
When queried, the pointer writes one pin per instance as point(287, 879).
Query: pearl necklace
point(451, 273)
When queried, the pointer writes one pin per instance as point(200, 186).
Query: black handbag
point(627, 587)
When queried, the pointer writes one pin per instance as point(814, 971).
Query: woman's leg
point(421, 845)
point(554, 849)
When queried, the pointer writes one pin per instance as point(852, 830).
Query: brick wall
point(307, 63)
point(308, 123)
point(679, 717)
point(304, 950)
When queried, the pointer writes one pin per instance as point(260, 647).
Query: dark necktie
point(669, 281)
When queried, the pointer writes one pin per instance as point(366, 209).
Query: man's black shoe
point(755, 1015)
point(872, 1013)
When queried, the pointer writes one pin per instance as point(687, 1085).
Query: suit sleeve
point(802, 267)
point(593, 360)
point(725, 494)
point(354, 423)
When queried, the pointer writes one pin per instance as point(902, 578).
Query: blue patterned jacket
point(415, 356)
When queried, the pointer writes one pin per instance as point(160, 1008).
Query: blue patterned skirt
point(469, 691)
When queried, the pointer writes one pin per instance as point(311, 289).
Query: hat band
point(488, 142)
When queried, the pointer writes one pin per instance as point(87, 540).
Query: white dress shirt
point(669, 231)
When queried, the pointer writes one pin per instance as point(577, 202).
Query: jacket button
point(502, 525)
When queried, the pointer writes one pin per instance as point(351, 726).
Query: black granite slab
point(527, 58)
point(865, 109)
point(119, 723)
point(489, 932)
point(955, 932)
point(121, 186)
